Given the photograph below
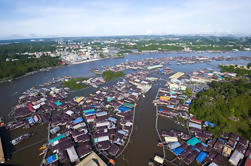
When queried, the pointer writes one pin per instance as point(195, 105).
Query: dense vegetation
point(124, 52)
point(75, 83)
point(178, 43)
point(10, 50)
point(188, 92)
point(228, 105)
point(13, 69)
point(13, 64)
point(239, 71)
point(110, 75)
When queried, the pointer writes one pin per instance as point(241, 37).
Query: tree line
point(13, 69)
point(227, 104)
point(13, 64)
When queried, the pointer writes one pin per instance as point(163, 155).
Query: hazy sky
point(48, 18)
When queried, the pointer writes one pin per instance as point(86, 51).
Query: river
point(143, 143)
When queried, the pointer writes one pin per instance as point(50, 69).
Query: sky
point(70, 18)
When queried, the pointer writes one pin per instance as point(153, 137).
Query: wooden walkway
point(157, 130)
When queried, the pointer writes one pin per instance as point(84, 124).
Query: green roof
point(57, 138)
point(129, 105)
point(109, 98)
point(193, 141)
point(88, 111)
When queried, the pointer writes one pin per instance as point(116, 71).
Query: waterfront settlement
point(98, 126)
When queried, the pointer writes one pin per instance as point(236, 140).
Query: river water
point(143, 142)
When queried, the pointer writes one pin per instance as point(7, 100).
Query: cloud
point(102, 18)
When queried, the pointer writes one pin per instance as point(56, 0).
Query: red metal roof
point(196, 120)
point(248, 162)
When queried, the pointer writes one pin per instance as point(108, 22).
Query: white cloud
point(116, 18)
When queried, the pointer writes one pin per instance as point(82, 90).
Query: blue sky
point(49, 18)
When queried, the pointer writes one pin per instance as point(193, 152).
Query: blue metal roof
point(51, 158)
point(30, 120)
point(78, 120)
point(90, 113)
point(112, 119)
point(123, 108)
point(201, 157)
point(196, 149)
point(222, 140)
point(178, 150)
point(209, 124)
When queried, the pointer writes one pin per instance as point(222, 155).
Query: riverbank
point(179, 52)
point(4, 80)
point(97, 59)
point(86, 61)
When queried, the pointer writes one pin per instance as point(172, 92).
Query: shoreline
point(93, 60)
point(5, 80)
point(28, 74)
point(85, 61)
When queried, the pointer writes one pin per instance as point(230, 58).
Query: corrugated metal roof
point(201, 157)
point(171, 139)
point(78, 120)
point(72, 154)
point(159, 159)
point(178, 150)
point(129, 105)
point(236, 157)
point(52, 158)
point(176, 75)
point(57, 138)
point(193, 141)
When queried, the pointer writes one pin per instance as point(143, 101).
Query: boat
point(42, 153)
point(96, 71)
point(43, 147)
point(1, 122)
point(112, 161)
point(20, 138)
point(160, 144)
point(94, 86)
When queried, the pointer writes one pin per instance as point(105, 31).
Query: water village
point(196, 145)
point(95, 129)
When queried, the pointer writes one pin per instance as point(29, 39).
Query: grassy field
point(110, 75)
point(75, 83)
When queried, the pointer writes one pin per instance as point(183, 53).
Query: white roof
point(159, 159)
point(212, 164)
point(100, 124)
point(79, 125)
point(36, 106)
point(101, 113)
point(103, 138)
point(128, 124)
point(91, 163)
point(194, 125)
point(171, 139)
point(72, 154)
point(69, 112)
point(236, 157)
